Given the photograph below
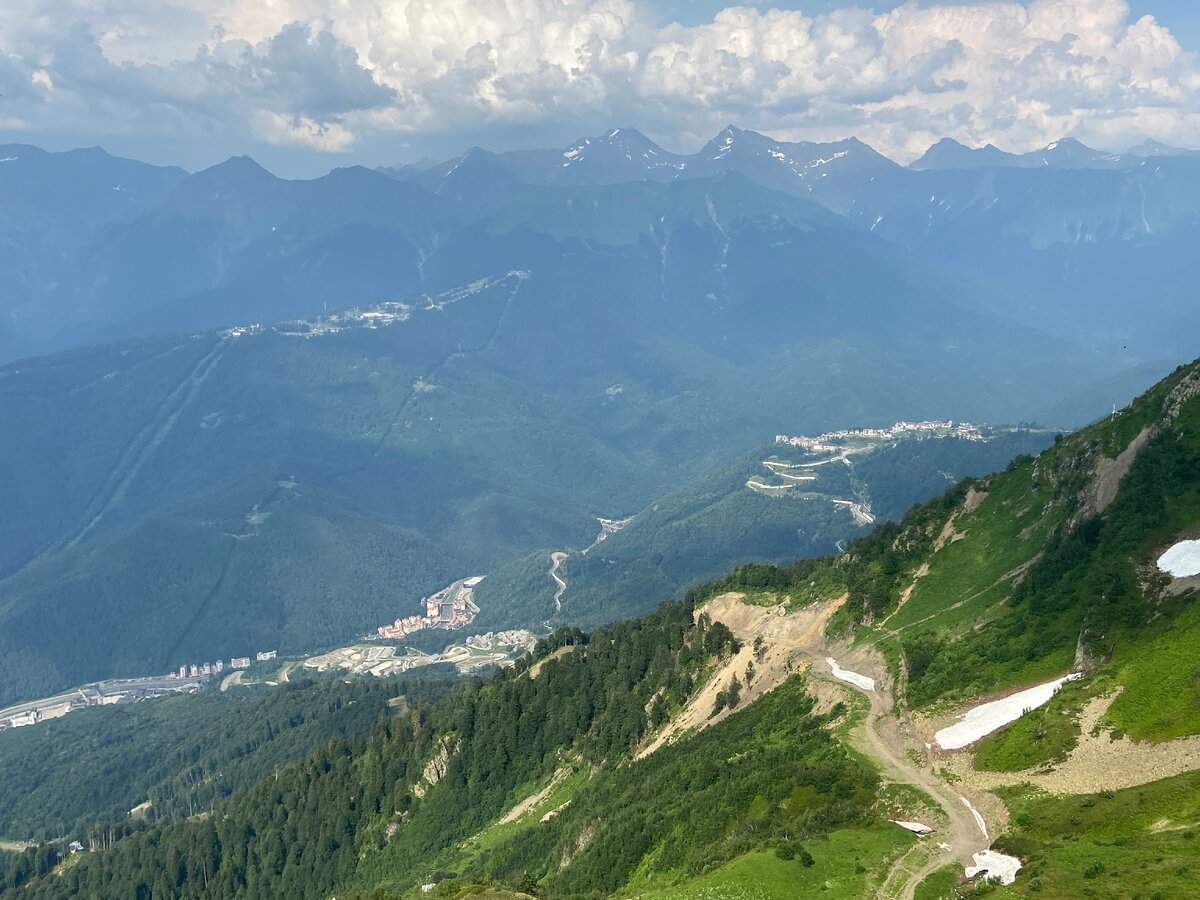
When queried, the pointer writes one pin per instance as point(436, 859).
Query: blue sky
point(305, 85)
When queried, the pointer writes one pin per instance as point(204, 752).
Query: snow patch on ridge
point(996, 865)
point(914, 827)
point(860, 681)
point(989, 717)
point(1182, 560)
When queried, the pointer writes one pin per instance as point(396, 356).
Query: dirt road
point(885, 734)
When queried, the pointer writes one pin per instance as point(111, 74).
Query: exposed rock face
point(439, 763)
point(581, 843)
point(1109, 474)
point(1188, 388)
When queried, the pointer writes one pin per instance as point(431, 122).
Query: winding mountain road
point(556, 560)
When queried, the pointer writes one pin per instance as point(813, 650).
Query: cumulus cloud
point(326, 74)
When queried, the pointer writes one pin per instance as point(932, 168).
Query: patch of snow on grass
point(914, 827)
point(860, 681)
point(1182, 560)
point(978, 818)
point(996, 865)
point(988, 717)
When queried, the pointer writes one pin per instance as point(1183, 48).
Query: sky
point(307, 85)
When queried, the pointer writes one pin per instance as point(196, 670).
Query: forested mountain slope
point(178, 756)
point(708, 745)
point(54, 204)
point(294, 485)
point(385, 811)
point(748, 512)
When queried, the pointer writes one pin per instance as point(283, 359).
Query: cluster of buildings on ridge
point(451, 607)
point(478, 652)
point(382, 315)
point(831, 441)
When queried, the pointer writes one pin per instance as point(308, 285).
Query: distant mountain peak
point(730, 136)
point(1068, 145)
point(617, 150)
point(949, 153)
point(1152, 147)
point(236, 168)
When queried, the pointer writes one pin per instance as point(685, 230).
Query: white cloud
point(328, 73)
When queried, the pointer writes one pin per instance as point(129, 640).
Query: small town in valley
point(189, 678)
point(476, 653)
point(450, 608)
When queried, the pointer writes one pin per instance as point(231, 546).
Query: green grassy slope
point(1004, 579)
point(1136, 842)
point(422, 798)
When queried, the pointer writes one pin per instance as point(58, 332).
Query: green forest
point(180, 754)
point(371, 813)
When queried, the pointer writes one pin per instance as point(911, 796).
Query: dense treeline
point(361, 809)
point(770, 776)
point(182, 754)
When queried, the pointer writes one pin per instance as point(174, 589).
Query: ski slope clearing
point(988, 717)
point(995, 865)
point(1182, 560)
point(859, 681)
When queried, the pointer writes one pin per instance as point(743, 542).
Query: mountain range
point(304, 405)
point(1086, 245)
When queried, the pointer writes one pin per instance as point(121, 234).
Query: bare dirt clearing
point(536, 799)
point(1109, 474)
point(1098, 763)
point(790, 641)
point(536, 669)
point(787, 644)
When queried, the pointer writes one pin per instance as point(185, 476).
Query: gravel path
point(886, 736)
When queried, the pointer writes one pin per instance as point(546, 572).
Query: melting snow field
point(988, 717)
point(978, 818)
point(997, 865)
point(914, 827)
point(861, 681)
point(1182, 560)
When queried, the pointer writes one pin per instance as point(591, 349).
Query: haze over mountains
point(1069, 239)
point(537, 339)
